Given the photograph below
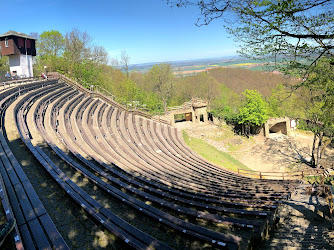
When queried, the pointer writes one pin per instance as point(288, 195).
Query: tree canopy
point(254, 111)
point(293, 29)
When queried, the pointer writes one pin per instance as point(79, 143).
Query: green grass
point(317, 179)
point(212, 154)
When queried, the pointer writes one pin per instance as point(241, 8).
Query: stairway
point(304, 223)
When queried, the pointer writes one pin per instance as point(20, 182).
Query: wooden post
point(302, 173)
point(260, 175)
point(238, 171)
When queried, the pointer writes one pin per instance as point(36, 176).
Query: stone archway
point(277, 125)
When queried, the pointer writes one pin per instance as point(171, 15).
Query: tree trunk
point(313, 163)
point(326, 143)
point(165, 106)
point(321, 136)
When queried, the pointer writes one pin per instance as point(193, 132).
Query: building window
point(28, 44)
point(6, 42)
point(21, 42)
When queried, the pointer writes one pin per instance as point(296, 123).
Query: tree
point(51, 43)
point(81, 56)
point(160, 79)
point(77, 47)
point(4, 64)
point(50, 46)
point(287, 101)
point(226, 105)
point(254, 111)
point(293, 29)
point(299, 31)
point(319, 108)
point(125, 59)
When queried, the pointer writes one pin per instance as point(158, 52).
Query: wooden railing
point(103, 91)
point(280, 175)
point(99, 92)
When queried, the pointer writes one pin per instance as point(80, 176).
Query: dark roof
point(19, 34)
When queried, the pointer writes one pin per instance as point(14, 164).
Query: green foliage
point(4, 64)
point(50, 47)
point(226, 105)
point(160, 80)
point(287, 101)
point(254, 110)
point(273, 30)
point(51, 43)
point(303, 125)
point(320, 86)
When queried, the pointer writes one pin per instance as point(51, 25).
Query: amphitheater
point(79, 171)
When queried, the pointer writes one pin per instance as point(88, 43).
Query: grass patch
point(317, 179)
point(212, 154)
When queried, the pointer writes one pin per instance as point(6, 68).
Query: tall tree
point(319, 108)
point(77, 46)
point(160, 79)
point(51, 43)
point(4, 64)
point(50, 47)
point(125, 60)
point(81, 58)
point(254, 111)
point(294, 29)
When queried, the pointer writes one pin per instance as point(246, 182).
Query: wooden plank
point(20, 220)
point(9, 169)
point(4, 174)
point(25, 204)
point(28, 242)
point(39, 235)
point(51, 230)
point(83, 194)
point(34, 199)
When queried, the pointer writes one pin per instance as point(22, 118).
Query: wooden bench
point(117, 226)
point(99, 181)
point(35, 226)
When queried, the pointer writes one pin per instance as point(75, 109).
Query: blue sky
point(149, 30)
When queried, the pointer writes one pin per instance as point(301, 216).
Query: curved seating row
point(159, 215)
point(110, 221)
point(35, 228)
point(80, 118)
point(140, 162)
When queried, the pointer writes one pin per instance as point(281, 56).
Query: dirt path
point(277, 154)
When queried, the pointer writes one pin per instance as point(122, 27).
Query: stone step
point(299, 242)
point(282, 238)
point(298, 246)
point(303, 225)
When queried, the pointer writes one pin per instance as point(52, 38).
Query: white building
point(20, 48)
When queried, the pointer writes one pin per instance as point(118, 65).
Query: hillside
point(238, 79)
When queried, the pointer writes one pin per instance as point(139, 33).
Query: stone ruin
point(195, 110)
point(275, 125)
